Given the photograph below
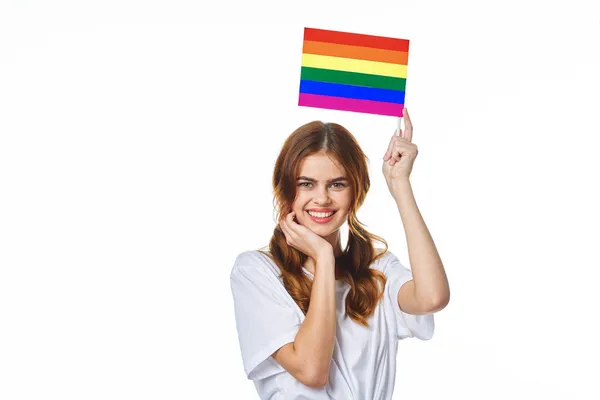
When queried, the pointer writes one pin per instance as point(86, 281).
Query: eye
point(335, 183)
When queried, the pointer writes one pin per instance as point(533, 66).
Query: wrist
point(325, 254)
point(401, 186)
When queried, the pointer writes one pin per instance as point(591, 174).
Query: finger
point(282, 223)
point(285, 218)
point(290, 223)
point(397, 153)
point(408, 127)
point(282, 228)
point(388, 152)
point(285, 229)
point(398, 149)
point(281, 220)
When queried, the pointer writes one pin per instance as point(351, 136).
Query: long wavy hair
point(337, 142)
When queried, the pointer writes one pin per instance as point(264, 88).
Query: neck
point(335, 240)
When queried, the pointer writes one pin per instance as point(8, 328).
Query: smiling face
point(318, 187)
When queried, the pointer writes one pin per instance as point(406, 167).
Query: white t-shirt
point(363, 365)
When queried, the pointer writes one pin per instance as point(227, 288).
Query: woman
point(316, 321)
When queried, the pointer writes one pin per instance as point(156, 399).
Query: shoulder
point(248, 256)
point(383, 259)
point(253, 263)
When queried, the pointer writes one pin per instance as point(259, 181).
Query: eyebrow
point(305, 178)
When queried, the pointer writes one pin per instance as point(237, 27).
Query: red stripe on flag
point(355, 39)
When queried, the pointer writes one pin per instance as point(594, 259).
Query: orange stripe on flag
point(356, 52)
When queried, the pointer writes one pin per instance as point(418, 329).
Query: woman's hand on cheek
point(302, 238)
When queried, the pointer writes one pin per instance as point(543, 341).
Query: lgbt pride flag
point(353, 72)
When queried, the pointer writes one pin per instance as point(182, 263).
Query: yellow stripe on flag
point(354, 65)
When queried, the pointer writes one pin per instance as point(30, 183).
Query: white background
point(137, 141)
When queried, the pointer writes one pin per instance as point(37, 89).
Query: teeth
point(320, 214)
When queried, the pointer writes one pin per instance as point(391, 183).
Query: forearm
point(315, 338)
point(431, 282)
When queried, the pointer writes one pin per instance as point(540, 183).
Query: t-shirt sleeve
point(407, 325)
point(266, 315)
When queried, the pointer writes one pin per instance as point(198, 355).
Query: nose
point(322, 196)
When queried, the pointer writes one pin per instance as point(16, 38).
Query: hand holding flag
point(400, 156)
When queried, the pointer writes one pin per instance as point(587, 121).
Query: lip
point(321, 220)
point(321, 209)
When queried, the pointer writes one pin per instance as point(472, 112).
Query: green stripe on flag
point(353, 78)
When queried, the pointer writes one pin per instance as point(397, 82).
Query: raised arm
point(429, 292)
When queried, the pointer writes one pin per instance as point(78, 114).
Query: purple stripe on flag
point(345, 104)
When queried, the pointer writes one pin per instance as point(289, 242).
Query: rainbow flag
point(353, 72)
